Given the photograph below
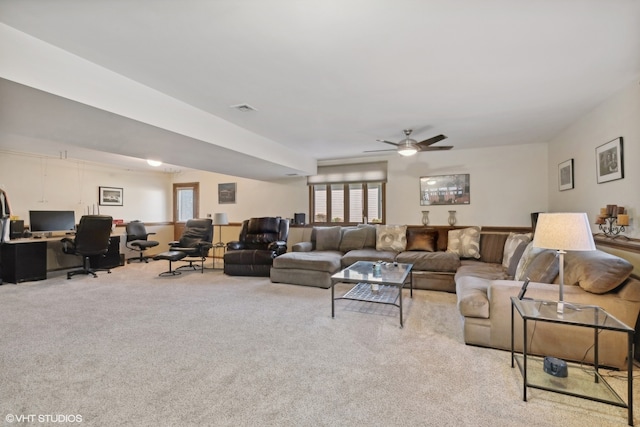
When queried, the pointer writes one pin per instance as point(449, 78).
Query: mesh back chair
point(137, 240)
point(193, 246)
point(91, 240)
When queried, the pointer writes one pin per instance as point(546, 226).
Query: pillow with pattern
point(391, 238)
point(512, 243)
point(465, 242)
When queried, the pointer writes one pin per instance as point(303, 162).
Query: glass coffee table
point(382, 284)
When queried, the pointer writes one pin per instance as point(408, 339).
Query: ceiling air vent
point(245, 108)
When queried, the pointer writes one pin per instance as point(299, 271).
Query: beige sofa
point(485, 267)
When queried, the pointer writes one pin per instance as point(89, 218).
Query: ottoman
point(170, 256)
point(306, 268)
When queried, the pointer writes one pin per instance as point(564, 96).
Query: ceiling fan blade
point(439, 148)
point(387, 142)
point(376, 151)
point(432, 140)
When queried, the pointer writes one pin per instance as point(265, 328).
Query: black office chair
point(137, 240)
point(194, 244)
point(92, 240)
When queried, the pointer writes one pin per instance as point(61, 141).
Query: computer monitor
point(52, 221)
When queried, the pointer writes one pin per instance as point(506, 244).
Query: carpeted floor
point(132, 348)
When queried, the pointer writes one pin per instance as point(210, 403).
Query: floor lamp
point(220, 219)
point(567, 231)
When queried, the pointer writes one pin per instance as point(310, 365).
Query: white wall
point(618, 116)
point(507, 184)
point(38, 183)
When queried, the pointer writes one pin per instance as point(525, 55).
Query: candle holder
point(452, 218)
point(610, 227)
point(425, 218)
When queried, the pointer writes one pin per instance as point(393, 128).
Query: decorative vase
point(452, 218)
point(425, 218)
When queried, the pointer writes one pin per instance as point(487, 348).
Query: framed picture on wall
point(445, 190)
point(227, 193)
point(565, 175)
point(110, 196)
point(609, 161)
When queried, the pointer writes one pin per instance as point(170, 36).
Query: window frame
point(346, 202)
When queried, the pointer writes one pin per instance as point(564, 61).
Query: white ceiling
point(330, 77)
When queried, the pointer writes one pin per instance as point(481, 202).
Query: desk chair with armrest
point(137, 240)
point(91, 240)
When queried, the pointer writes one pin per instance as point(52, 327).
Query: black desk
point(24, 260)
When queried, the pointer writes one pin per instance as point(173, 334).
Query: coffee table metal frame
point(391, 279)
point(583, 381)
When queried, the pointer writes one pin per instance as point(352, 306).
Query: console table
point(582, 381)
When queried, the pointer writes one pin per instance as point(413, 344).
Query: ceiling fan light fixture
point(407, 149)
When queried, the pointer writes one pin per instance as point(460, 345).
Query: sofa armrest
point(235, 245)
point(302, 247)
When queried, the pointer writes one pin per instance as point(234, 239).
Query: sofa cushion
point(328, 238)
point(485, 270)
point(492, 247)
point(430, 261)
point(367, 254)
point(465, 242)
point(512, 243)
point(543, 268)
point(472, 296)
point(391, 237)
point(326, 261)
point(421, 240)
point(595, 271)
point(352, 238)
point(370, 240)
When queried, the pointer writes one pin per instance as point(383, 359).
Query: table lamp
point(220, 219)
point(566, 231)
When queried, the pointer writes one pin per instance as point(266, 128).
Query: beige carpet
point(131, 348)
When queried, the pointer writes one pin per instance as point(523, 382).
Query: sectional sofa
point(484, 267)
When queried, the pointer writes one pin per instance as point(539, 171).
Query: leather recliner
point(260, 241)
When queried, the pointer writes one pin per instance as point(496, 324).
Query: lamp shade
point(568, 231)
point(220, 219)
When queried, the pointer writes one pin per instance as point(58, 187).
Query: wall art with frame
point(110, 196)
point(227, 193)
point(445, 190)
point(565, 175)
point(609, 161)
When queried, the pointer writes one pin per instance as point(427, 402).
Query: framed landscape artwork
point(609, 161)
point(565, 175)
point(110, 196)
point(445, 190)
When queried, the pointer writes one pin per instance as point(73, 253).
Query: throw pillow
point(527, 256)
point(543, 268)
point(515, 259)
point(352, 239)
point(421, 240)
point(595, 271)
point(391, 238)
point(465, 242)
point(513, 241)
point(328, 238)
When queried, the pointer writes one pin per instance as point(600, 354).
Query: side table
point(219, 247)
point(582, 381)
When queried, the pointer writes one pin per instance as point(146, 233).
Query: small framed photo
point(609, 161)
point(565, 175)
point(110, 196)
point(227, 193)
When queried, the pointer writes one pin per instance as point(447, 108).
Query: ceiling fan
point(409, 147)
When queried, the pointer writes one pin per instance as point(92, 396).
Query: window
point(348, 194)
point(348, 203)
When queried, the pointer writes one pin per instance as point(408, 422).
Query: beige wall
point(618, 116)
